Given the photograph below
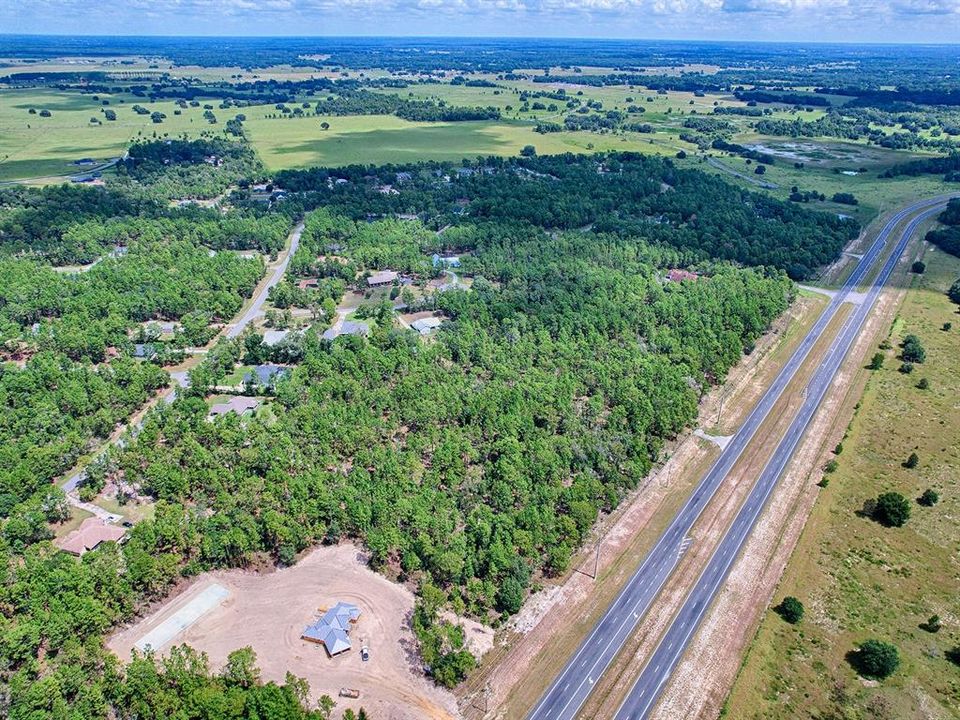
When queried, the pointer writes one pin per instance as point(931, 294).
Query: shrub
point(929, 498)
point(790, 609)
point(924, 384)
point(838, 449)
point(911, 462)
point(947, 326)
point(892, 509)
point(919, 267)
point(831, 467)
point(953, 655)
point(932, 625)
point(906, 368)
point(913, 350)
point(876, 659)
point(954, 292)
point(876, 362)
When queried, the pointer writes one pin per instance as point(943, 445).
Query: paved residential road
point(261, 292)
point(564, 698)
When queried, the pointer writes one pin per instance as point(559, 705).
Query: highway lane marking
point(716, 474)
point(739, 530)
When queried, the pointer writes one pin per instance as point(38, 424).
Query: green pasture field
point(34, 147)
point(826, 161)
point(300, 142)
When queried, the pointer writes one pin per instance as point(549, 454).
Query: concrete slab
point(209, 598)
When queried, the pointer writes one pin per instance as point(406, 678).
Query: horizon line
point(579, 38)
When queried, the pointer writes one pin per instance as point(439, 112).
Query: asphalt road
point(257, 306)
point(573, 685)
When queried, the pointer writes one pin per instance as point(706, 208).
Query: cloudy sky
point(930, 21)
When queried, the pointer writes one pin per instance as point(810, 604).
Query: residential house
point(266, 375)
point(333, 628)
point(239, 404)
point(92, 532)
point(347, 327)
point(384, 277)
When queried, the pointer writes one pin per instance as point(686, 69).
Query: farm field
point(860, 580)
point(34, 147)
point(829, 166)
point(299, 142)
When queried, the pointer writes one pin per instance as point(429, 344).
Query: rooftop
point(426, 325)
point(89, 535)
point(266, 374)
point(347, 327)
point(382, 278)
point(239, 404)
point(332, 629)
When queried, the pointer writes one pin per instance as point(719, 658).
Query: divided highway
point(569, 691)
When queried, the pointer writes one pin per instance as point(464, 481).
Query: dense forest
point(186, 169)
point(624, 194)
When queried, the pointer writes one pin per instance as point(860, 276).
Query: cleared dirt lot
point(269, 611)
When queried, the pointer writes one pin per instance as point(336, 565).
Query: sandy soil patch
point(269, 611)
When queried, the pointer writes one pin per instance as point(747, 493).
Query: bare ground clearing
point(269, 612)
point(534, 646)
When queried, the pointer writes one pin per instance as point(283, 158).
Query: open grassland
point(829, 166)
point(300, 142)
point(860, 580)
point(33, 147)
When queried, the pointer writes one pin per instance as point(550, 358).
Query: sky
point(888, 21)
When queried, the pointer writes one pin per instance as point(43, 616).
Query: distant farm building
point(384, 277)
point(239, 404)
point(333, 628)
point(91, 533)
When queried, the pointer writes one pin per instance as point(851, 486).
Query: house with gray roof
point(144, 351)
point(384, 277)
point(333, 628)
point(266, 374)
point(347, 327)
point(239, 404)
point(426, 325)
